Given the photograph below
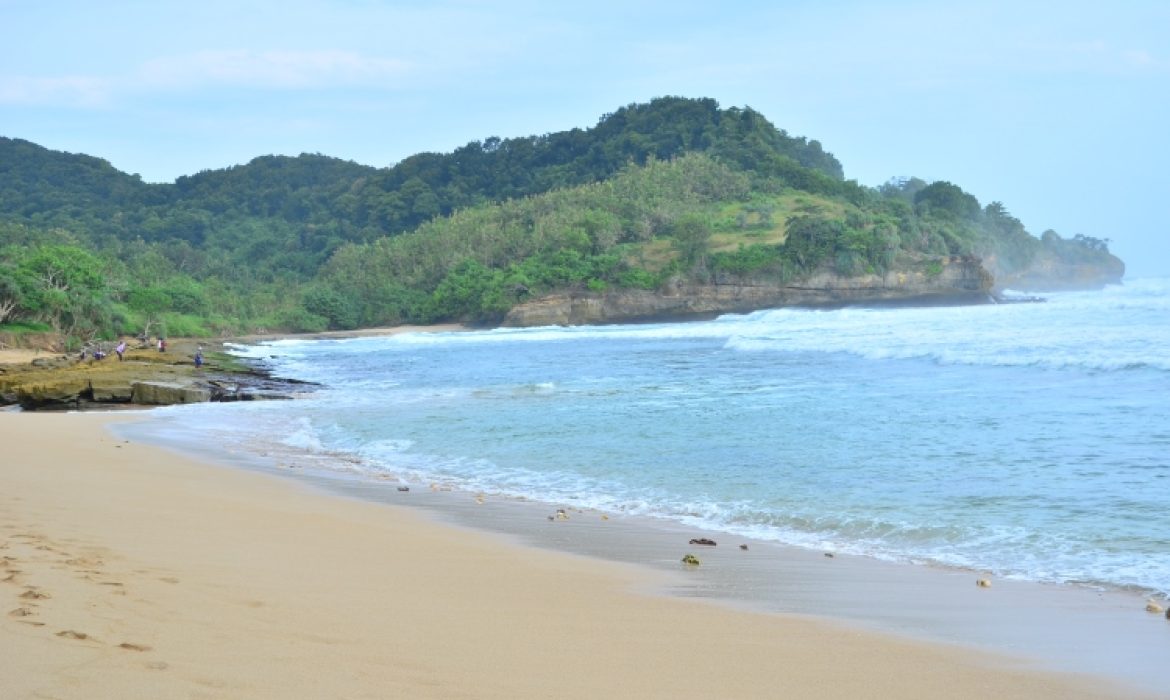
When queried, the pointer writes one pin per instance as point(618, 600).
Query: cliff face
point(1049, 273)
point(960, 280)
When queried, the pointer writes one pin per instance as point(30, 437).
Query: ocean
point(1029, 441)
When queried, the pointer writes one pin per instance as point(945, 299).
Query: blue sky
point(1061, 110)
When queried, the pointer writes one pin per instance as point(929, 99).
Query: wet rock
point(106, 392)
point(167, 393)
point(59, 394)
point(56, 383)
point(703, 541)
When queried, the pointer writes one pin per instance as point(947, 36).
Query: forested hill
point(674, 189)
point(57, 189)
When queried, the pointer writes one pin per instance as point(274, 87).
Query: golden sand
point(128, 572)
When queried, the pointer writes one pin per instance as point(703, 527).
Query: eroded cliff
point(952, 280)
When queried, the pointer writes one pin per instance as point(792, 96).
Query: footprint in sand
point(169, 579)
point(33, 594)
point(72, 634)
point(85, 563)
point(133, 647)
point(22, 612)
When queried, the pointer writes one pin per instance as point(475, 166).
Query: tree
point(902, 188)
point(692, 238)
point(328, 302)
point(68, 288)
point(152, 302)
point(944, 198)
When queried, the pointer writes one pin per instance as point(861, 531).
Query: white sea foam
point(1023, 439)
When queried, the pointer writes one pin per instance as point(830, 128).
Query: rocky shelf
point(146, 377)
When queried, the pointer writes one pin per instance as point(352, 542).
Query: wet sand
point(128, 571)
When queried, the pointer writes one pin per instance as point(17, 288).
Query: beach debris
point(1168, 614)
point(551, 518)
point(604, 516)
point(561, 514)
point(691, 560)
point(1153, 607)
point(743, 547)
point(983, 583)
point(829, 555)
point(703, 541)
point(479, 499)
point(404, 488)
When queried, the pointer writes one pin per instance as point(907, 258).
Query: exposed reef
point(145, 378)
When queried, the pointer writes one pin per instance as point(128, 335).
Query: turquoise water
point(1031, 441)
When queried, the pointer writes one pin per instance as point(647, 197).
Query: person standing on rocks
point(121, 349)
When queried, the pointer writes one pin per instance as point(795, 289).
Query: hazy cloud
point(68, 91)
point(273, 70)
point(1096, 56)
point(278, 70)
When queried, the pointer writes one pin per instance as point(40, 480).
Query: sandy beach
point(127, 571)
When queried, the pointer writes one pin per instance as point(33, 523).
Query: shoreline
point(154, 574)
point(1101, 636)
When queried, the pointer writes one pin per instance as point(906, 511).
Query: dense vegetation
point(673, 189)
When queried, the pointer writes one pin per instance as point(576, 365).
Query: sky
point(1059, 110)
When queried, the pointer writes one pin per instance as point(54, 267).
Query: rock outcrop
point(167, 393)
point(954, 280)
point(145, 378)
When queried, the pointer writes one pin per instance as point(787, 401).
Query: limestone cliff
point(953, 280)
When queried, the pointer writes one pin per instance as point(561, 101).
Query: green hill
point(672, 192)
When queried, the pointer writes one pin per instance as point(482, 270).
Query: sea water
point(1028, 440)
